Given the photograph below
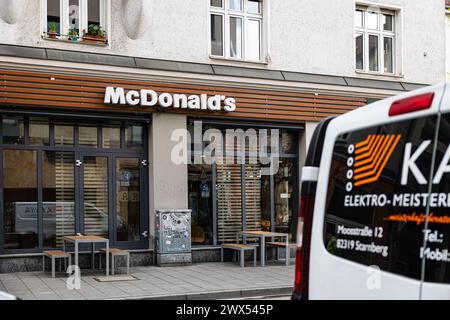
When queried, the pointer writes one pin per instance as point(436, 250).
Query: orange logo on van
point(371, 157)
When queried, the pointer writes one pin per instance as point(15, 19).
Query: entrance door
point(130, 227)
point(95, 205)
point(111, 189)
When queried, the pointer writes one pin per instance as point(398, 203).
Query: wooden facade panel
point(87, 92)
point(163, 86)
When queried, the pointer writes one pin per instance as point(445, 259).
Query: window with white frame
point(74, 17)
point(375, 40)
point(236, 29)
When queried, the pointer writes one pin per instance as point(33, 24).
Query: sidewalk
point(198, 281)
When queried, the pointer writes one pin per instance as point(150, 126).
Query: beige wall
point(302, 34)
point(168, 181)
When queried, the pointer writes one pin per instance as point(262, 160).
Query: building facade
point(114, 109)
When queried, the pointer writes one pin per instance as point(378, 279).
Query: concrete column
point(168, 182)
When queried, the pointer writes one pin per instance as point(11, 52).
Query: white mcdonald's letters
point(150, 98)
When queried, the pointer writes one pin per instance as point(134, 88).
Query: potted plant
point(52, 30)
point(95, 33)
point(73, 34)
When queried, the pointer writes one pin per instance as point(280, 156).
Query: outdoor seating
point(284, 245)
point(246, 234)
point(115, 252)
point(241, 248)
point(53, 255)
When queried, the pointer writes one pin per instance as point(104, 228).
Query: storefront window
point(58, 180)
point(134, 137)
point(111, 137)
point(246, 196)
point(128, 206)
point(13, 130)
point(253, 197)
point(96, 196)
point(20, 199)
point(39, 132)
point(266, 200)
point(64, 135)
point(229, 202)
point(58, 195)
point(87, 136)
point(200, 202)
point(284, 196)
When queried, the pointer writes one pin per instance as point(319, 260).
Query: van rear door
point(436, 273)
point(371, 195)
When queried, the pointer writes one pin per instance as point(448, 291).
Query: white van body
point(336, 270)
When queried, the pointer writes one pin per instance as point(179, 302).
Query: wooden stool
point(115, 252)
point(241, 248)
point(53, 255)
point(283, 245)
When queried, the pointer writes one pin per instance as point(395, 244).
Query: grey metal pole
point(107, 257)
point(263, 251)
point(76, 253)
point(93, 255)
point(288, 254)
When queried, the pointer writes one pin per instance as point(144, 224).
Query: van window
point(437, 267)
point(376, 202)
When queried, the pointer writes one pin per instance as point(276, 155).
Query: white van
point(375, 202)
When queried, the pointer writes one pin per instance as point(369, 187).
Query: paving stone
point(197, 280)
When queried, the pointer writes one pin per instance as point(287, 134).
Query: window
point(375, 37)
point(228, 196)
point(61, 176)
point(74, 20)
point(236, 29)
point(382, 231)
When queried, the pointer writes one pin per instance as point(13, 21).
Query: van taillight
point(411, 104)
point(301, 285)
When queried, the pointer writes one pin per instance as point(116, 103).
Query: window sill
point(240, 61)
point(376, 75)
point(80, 41)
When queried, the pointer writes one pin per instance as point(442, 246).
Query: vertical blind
point(64, 175)
point(229, 193)
point(229, 201)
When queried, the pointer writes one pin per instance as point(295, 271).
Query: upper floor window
point(236, 29)
point(75, 20)
point(375, 40)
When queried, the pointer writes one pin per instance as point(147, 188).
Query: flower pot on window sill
point(94, 39)
point(52, 35)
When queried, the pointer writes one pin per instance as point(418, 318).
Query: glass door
point(129, 225)
point(111, 198)
point(95, 205)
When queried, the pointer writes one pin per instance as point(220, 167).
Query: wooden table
point(262, 239)
point(77, 240)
